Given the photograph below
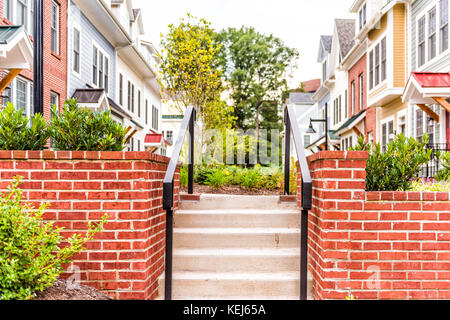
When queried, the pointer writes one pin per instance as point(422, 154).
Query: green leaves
point(394, 168)
point(17, 132)
point(33, 251)
point(80, 129)
point(444, 173)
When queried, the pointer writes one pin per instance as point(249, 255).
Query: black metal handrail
point(306, 192)
point(168, 190)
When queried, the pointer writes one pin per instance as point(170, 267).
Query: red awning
point(432, 79)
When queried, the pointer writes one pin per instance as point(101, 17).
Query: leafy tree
point(190, 72)
point(255, 67)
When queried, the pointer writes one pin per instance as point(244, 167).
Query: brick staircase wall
point(126, 259)
point(374, 245)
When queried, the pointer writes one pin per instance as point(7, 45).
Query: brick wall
point(126, 259)
point(375, 245)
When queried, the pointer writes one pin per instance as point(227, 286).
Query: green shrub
point(444, 173)
point(18, 132)
point(217, 179)
point(293, 177)
point(394, 168)
point(32, 251)
point(78, 128)
point(202, 173)
point(251, 178)
point(184, 176)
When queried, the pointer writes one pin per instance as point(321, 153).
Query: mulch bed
point(237, 190)
point(60, 291)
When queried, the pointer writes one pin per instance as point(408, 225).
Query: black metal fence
point(434, 165)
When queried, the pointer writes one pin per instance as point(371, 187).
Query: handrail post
point(304, 255)
point(287, 151)
point(191, 154)
point(169, 255)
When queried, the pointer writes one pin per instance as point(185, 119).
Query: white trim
point(77, 27)
point(389, 57)
point(100, 49)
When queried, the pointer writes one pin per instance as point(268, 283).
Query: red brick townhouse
point(20, 90)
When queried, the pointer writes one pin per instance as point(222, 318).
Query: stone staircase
point(230, 247)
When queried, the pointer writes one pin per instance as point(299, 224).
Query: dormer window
point(362, 16)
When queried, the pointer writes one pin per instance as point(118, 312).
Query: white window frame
point(439, 52)
point(105, 55)
point(361, 91)
point(441, 27)
point(58, 28)
point(353, 97)
point(386, 122)
point(29, 14)
point(401, 114)
point(362, 15)
point(372, 85)
point(28, 94)
point(77, 28)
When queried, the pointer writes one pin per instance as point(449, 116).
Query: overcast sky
point(299, 23)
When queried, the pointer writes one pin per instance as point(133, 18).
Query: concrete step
point(238, 218)
point(236, 238)
point(232, 284)
point(237, 260)
point(220, 201)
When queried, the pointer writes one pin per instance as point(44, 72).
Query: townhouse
point(387, 75)
point(19, 91)
point(95, 51)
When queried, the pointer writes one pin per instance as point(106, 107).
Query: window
point(55, 27)
point(21, 95)
point(402, 125)
point(7, 9)
point(132, 98)
point(421, 42)
point(121, 89)
point(94, 65)
point(346, 104)
point(154, 118)
point(139, 103)
point(340, 108)
point(22, 13)
point(371, 70)
point(129, 96)
point(383, 59)
point(306, 140)
point(362, 16)
point(76, 50)
point(443, 25)
point(146, 111)
point(387, 133)
point(169, 137)
point(361, 92)
point(432, 33)
point(377, 65)
point(353, 98)
point(419, 124)
point(100, 69)
point(324, 70)
point(54, 99)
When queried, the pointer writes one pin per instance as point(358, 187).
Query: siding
point(417, 8)
point(399, 45)
point(89, 34)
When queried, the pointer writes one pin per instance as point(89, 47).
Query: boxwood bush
point(397, 166)
point(18, 132)
point(78, 128)
point(33, 251)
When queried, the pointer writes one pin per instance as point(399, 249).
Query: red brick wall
point(375, 245)
point(358, 68)
point(55, 65)
point(126, 259)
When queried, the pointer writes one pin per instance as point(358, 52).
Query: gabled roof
point(311, 85)
point(88, 95)
point(16, 49)
point(422, 87)
point(155, 138)
point(346, 35)
point(326, 42)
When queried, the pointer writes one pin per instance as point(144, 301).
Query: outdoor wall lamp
point(312, 131)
